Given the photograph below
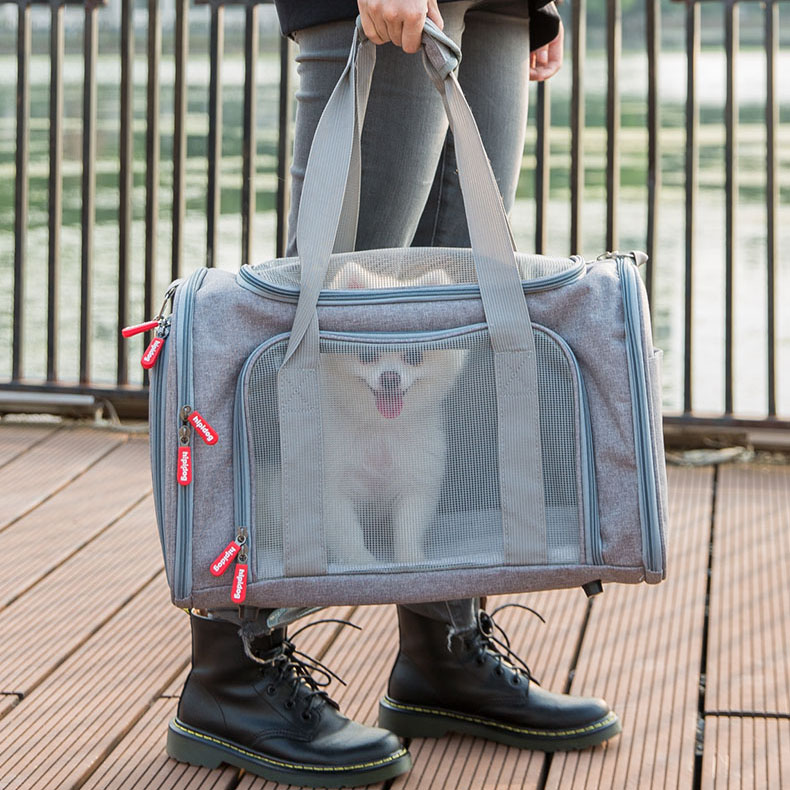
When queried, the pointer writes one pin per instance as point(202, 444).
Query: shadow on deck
point(92, 654)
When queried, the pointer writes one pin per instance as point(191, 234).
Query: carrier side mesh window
point(411, 475)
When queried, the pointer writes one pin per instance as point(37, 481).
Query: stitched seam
point(609, 719)
point(282, 763)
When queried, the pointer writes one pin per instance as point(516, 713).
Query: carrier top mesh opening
point(411, 268)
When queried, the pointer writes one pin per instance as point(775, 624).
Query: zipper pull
point(238, 590)
point(138, 329)
point(184, 475)
point(222, 562)
point(151, 354)
point(202, 427)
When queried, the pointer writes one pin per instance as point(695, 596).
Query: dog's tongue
point(389, 404)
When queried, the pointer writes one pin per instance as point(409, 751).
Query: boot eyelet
point(289, 703)
point(480, 661)
point(514, 680)
point(307, 716)
point(499, 671)
point(271, 690)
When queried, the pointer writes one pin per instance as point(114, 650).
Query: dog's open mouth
point(389, 403)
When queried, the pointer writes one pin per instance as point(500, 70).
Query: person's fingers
point(412, 32)
point(394, 31)
point(434, 14)
point(547, 61)
point(369, 26)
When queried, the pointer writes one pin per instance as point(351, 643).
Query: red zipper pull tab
point(151, 353)
point(138, 329)
point(202, 427)
point(184, 474)
point(239, 589)
point(228, 554)
point(241, 573)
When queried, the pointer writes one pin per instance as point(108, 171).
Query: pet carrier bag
point(404, 425)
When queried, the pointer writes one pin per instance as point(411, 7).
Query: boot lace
point(299, 670)
point(491, 644)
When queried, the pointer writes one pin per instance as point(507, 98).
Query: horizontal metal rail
point(128, 397)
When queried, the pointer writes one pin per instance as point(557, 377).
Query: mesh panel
point(411, 477)
point(395, 268)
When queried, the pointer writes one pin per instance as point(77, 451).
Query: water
point(708, 282)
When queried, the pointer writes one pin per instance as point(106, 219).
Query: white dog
point(384, 438)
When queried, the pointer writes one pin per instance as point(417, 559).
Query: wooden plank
point(548, 649)
point(7, 702)
point(749, 627)
point(72, 720)
point(641, 652)
point(35, 475)
point(140, 760)
point(746, 753)
point(39, 541)
point(67, 606)
point(18, 438)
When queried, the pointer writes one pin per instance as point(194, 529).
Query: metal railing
point(129, 398)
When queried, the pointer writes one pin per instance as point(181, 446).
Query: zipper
point(237, 549)
point(182, 576)
point(648, 502)
point(241, 456)
point(250, 280)
point(158, 451)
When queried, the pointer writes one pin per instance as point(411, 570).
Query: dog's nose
point(389, 380)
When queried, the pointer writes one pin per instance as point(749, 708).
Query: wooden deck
point(92, 654)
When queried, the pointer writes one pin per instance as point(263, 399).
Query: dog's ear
point(435, 277)
point(351, 277)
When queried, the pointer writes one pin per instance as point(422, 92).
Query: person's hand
point(398, 21)
point(546, 61)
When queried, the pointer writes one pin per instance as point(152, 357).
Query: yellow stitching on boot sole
point(610, 718)
point(281, 763)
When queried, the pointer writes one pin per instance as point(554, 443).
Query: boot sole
point(188, 745)
point(418, 721)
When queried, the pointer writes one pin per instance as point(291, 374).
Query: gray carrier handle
point(327, 196)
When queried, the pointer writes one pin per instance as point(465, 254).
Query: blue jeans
point(410, 194)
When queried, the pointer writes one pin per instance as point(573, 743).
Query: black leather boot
point(466, 684)
point(272, 718)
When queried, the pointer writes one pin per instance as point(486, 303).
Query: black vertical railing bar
point(692, 160)
point(216, 53)
point(579, 46)
point(154, 57)
point(614, 47)
point(91, 52)
point(125, 184)
point(543, 165)
point(284, 146)
point(731, 192)
point(248, 194)
point(21, 187)
point(55, 187)
point(179, 137)
point(653, 35)
point(771, 189)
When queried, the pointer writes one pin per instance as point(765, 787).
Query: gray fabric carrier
point(405, 425)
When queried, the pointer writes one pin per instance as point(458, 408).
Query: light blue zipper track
point(252, 282)
point(182, 583)
point(157, 424)
point(241, 455)
point(648, 500)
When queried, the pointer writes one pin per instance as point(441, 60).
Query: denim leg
point(404, 132)
point(494, 75)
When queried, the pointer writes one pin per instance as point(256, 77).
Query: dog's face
point(392, 383)
point(389, 383)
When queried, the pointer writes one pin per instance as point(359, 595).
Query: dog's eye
point(367, 356)
point(413, 357)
